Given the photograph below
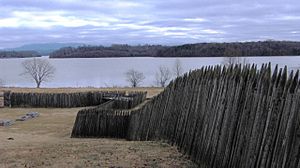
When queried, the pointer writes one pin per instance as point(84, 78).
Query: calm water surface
point(108, 72)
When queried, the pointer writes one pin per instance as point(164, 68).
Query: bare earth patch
point(45, 142)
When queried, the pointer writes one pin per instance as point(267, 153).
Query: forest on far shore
point(260, 48)
point(19, 54)
point(234, 49)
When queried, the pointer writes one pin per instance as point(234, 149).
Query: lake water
point(109, 72)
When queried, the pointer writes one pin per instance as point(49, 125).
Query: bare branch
point(177, 69)
point(134, 77)
point(39, 70)
point(162, 76)
point(234, 60)
point(2, 83)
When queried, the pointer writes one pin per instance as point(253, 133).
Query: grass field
point(45, 142)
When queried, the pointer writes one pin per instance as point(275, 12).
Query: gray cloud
point(147, 21)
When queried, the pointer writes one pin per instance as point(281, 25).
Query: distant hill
point(19, 54)
point(260, 48)
point(44, 48)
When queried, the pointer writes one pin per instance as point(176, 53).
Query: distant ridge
point(43, 48)
point(19, 54)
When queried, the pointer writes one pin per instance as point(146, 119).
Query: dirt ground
point(45, 142)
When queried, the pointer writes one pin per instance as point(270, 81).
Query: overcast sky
point(147, 21)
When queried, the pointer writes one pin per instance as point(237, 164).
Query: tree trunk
point(38, 84)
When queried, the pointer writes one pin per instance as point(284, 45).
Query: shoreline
point(254, 56)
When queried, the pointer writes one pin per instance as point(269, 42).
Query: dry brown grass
point(152, 91)
point(45, 142)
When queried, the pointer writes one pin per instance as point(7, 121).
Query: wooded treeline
point(260, 48)
point(221, 117)
point(18, 54)
point(112, 51)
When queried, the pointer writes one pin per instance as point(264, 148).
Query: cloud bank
point(147, 21)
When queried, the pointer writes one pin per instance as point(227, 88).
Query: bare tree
point(234, 60)
point(39, 70)
point(134, 77)
point(177, 69)
point(1, 83)
point(162, 76)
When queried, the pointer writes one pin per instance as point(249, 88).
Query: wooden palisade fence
point(60, 100)
point(109, 119)
point(220, 117)
point(101, 122)
point(1, 99)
